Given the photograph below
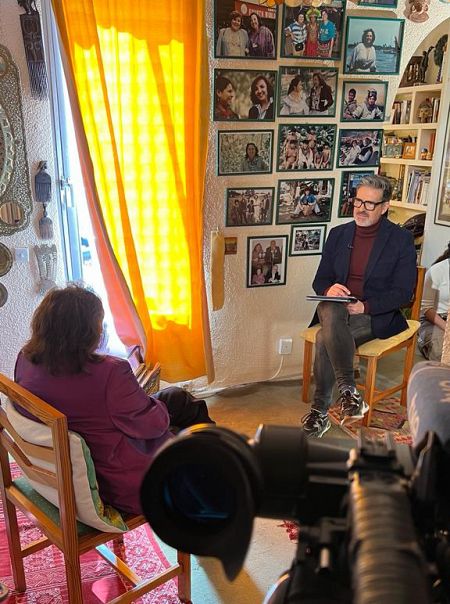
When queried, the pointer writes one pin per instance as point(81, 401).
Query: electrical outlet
point(285, 346)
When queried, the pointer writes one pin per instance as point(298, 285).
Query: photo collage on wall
point(303, 127)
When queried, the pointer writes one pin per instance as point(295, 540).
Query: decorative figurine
point(46, 256)
point(424, 65)
point(423, 153)
point(34, 48)
point(43, 191)
point(425, 112)
point(416, 10)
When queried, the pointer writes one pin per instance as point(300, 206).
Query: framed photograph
point(307, 91)
point(307, 240)
point(409, 151)
point(266, 260)
point(359, 148)
point(379, 3)
point(373, 45)
point(250, 206)
point(411, 75)
point(394, 150)
point(349, 182)
point(244, 95)
point(307, 200)
point(230, 245)
point(442, 215)
point(313, 30)
point(305, 147)
point(243, 30)
point(363, 101)
point(244, 151)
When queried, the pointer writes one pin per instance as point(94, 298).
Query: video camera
point(373, 522)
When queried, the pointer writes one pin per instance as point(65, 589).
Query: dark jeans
point(184, 410)
point(336, 342)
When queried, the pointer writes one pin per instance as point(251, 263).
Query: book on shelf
point(418, 185)
point(435, 102)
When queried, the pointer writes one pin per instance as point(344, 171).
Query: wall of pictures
point(298, 100)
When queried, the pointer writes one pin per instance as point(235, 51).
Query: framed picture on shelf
point(393, 150)
point(409, 151)
point(378, 3)
point(373, 45)
point(313, 32)
point(243, 30)
point(411, 75)
point(249, 206)
point(359, 148)
point(363, 101)
point(245, 94)
point(442, 215)
point(307, 91)
point(305, 147)
point(244, 152)
point(266, 260)
point(349, 182)
point(304, 200)
point(307, 240)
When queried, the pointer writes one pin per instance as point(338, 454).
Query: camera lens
point(199, 494)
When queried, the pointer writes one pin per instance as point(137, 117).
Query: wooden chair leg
point(73, 578)
point(409, 360)
point(184, 580)
point(15, 552)
point(369, 391)
point(307, 361)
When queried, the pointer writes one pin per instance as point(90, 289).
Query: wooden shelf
point(429, 126)
point(407, 162)
point(420, 87)
point(408, 206)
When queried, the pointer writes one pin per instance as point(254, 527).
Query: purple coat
point(122, 426)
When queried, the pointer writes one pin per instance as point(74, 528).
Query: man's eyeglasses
point(369, 205)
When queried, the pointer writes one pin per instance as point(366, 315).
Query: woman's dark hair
point(294, 83)
point(222, 82)
point(320, 78)
point(269, 86)
point(253, 145)
point(365, 32)
point(257, 17)
point(443, 256)
point(234, 14)
point(65, 330)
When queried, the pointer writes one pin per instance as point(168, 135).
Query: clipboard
point(345, 299)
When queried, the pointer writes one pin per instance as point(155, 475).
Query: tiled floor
point(243, 409)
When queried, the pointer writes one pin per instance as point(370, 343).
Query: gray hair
point(380, 183)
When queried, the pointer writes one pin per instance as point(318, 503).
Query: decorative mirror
point(15, 189)
point(6, 260)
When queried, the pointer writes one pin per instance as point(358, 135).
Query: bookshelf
point(408, 147)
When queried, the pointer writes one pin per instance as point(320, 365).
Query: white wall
point(246, 330)
point(21, 281)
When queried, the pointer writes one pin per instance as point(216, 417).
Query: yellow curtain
point(139, 71)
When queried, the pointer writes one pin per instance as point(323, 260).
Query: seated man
point(374, 260)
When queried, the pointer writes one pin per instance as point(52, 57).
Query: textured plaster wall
point(246, 330)
point(21, 281)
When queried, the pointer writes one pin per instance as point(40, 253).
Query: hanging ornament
point(43, 191)
point(34, 48)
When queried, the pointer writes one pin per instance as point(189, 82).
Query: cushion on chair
point(89, 507)
point(373, 348)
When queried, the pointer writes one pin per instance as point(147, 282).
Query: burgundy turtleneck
point(361, 247)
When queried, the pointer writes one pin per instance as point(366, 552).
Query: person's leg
point(184, 410)
point(430, 341)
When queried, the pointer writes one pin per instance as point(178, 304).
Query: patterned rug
point(45, 572)
point(389, 415)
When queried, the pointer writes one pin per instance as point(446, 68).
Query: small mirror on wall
point(11, 213)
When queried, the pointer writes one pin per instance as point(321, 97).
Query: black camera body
point(373, 521)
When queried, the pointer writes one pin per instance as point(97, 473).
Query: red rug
point(45, 572)
point(389, 415)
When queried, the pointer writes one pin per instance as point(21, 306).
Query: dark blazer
point(390, 275)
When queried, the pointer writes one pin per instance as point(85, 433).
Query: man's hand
point(338, 290)
point(355, 308)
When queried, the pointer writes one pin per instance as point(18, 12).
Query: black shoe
point(315, 423)
point(353, 407)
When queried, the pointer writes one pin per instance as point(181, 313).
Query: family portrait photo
point(349, 182)
point(307, 91)
point(244, 151)
point(307, 240)
point(244, 95)
point(305, 147)
point(249, 206)
point(379, 3)
point(363, 101)
point(313, 30)
point(243, 30)
point(307, 200)
point(266, 260)
point(373, 45)
point(359, 148)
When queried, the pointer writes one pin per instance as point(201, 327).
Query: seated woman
point(99, 394)
point(434, 308)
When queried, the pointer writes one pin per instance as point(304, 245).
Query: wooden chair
point(71, 537)
point(372, 352)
